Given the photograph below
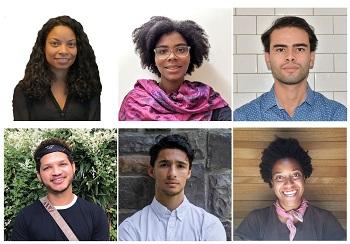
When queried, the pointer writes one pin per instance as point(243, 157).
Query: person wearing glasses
point(285, 166)
point(61, 80)
point(171, 49)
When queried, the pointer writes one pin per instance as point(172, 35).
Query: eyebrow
point(177, 161)
point(294, 45)
point(177, 45)
point(56, 39)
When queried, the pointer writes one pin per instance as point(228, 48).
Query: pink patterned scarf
point(292, 215)
point(193, 101)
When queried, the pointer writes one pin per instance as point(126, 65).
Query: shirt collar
point(270, 99)
point(163, 212)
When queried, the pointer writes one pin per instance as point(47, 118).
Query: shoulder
point(208, 219)
point(250, 110)
point(30, 212)
point(320, 212)
point(336, 110)
point(18, 91)
point(88, 206)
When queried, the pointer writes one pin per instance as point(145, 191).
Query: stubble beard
point(290, 80)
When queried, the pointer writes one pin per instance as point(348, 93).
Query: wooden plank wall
point(326, 188)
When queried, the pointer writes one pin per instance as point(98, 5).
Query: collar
point(75, 198)
point(270, 99)
point(163, 212)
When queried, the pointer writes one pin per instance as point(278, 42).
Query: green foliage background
point(95, 156)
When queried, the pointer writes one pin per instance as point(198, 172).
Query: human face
point(288, 183)
point(60, 48)
point(56, 172)
point(173, 68)
point(290, 57)
point(170, 171)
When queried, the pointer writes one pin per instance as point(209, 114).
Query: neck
point(62, 198)
point(290, 96)
point(60, 76)
point(289, 207)
point(171, 202)
point(170, 86)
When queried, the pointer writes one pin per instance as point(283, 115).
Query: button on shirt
point(156, 223)
point(315, 107)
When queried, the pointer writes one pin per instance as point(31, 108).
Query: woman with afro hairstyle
point(171, 49)
point(285, 166)
point(61, 80)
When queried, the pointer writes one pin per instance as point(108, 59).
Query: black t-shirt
point(222, 114)
point(87, 220)
point(47, 108)
point(263, 224)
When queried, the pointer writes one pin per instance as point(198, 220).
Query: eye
point(163, 164)
point(71, 44)
point(181, 166)
point(181, 49)
point(162, 51)
point(280, 49)
point(301, 49)
point(55, 43)
point(297, 175)
point(279, 178)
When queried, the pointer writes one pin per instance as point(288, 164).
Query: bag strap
point(67, 231)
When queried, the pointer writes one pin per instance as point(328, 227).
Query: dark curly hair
point(284, 148)
point(83, 79)
point(174, 141)
point(49, 142)
point(147, 36)
point(290, 21)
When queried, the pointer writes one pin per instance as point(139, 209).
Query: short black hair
point(282, 148)
point(147, 36)
point(290, 21)
point(52, 141)
point(174, 141)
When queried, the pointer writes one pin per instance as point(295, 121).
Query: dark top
point(263, 224)
point(87, 220)
point(47, 108)
point(222, 114)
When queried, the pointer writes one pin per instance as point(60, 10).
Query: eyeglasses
point(178, 51)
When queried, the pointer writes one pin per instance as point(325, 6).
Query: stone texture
point(135, 192)
point(133, 165)
point(220, 194)
point(195, 186)
point(219, 149)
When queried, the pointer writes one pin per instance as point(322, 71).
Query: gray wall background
point(209, 186)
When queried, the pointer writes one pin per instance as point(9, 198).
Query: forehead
point(289, 36)
point(172, 154)
point(53, 157)
point(286, 165)
point(172, 38)
point(61, 31)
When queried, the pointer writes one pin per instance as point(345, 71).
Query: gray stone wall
point(209, 186)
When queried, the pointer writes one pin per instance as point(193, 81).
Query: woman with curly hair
point(61, 80)
point(171, 49)
point(285, 166)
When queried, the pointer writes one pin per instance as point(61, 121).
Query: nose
point(172, 171)
point(172, 54)
point(290, 55)
point(63, 49)
point(56, 171)
point(289, 181)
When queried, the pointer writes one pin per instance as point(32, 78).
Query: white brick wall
point(251, 76)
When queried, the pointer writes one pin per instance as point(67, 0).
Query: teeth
point(289, 193)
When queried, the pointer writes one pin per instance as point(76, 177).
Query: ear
point(150, 171)
point(312, 60)
point(38, 176)
point(73, 166)
point(267, 60)
point(189, 174)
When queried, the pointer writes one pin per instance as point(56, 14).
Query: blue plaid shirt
point(316, 107)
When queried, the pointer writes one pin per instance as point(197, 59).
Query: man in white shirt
point(171, 216)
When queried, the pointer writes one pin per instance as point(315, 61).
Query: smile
point(62, 60)
point(172, 68)
point(57, 180)
point(289, 193)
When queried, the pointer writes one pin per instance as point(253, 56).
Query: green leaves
point(95, 156)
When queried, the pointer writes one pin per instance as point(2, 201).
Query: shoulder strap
point(58, 218)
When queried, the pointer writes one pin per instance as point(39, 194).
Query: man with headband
point(61, 215)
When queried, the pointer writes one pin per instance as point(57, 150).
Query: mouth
point(62, 60)
point(289, 193)
point(171, 183)
point(173, 67)
point(290, 68)
point(58, 180)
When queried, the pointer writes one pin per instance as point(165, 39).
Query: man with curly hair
point(171, 216)
point(55, 170)
point(285, 166)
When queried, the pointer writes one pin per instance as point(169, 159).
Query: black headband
point(50, 149)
